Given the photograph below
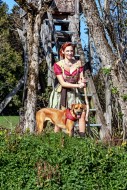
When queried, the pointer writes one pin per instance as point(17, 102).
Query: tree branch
point(28, 7)
point(8, 98)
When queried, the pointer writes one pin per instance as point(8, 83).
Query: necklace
point(68, 64)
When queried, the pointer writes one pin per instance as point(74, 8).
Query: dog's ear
point(72, 106)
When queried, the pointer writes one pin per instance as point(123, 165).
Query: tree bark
point(108, 58)
point(34, 24)
point(34, 15)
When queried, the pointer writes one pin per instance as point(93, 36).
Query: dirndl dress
point(64, 97)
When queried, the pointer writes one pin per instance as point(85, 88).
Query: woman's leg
point(82, 125)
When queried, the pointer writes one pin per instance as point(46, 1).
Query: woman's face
point(68, 52)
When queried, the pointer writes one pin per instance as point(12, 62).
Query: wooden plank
point(91, 125)
point(95, 125)
point(60, 32)
point(93, 110)
point(47, 46)
point(76, 6)
point(65, 6)
point(59, 21)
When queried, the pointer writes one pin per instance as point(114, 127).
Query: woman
point(69, 73)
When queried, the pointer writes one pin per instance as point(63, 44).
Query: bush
point(57, 162)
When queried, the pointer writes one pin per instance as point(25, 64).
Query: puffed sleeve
point(80, 69)
point(57, 69)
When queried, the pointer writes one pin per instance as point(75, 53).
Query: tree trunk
point(34, 14)
point(34, 24)
point(108, 59)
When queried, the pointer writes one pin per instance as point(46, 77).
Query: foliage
point(11, 68)
point(124, 97)
point(14, 23)
point(114, 90)
point(106, 71)
point(57, 162)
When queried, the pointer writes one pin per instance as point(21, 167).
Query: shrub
point(58, 162)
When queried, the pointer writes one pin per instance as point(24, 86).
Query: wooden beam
point(28, 7)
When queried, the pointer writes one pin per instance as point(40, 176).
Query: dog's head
point(78, 109)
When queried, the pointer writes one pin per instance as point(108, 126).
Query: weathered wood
point(65, 6)
point(33, 41)
point(52, 30)
point(22, 35)
point(104, 132)
point(69, 32)
point(26, 5)
point(108, 58)
point(77, 7)
point(46, 36)
point(108, 113)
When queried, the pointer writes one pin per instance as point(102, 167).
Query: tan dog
point(62, 118)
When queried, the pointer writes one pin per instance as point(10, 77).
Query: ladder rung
point(77, 54)
point(59, 21)
point(93, 109)
point(88, 95)
point(55, 53)
point(59, 32)
point(94, 125)
point(90, 125)
point(74, 43)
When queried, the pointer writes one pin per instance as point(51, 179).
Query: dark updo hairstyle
point(63, 47)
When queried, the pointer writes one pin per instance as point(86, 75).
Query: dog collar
point(69, 115)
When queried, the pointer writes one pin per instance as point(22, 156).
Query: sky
point(10, 3)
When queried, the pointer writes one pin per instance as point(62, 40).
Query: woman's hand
point(81, 85)
point(83, 80)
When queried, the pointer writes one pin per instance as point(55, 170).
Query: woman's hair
point(63, 47)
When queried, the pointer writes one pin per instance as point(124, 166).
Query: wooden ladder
point(57, 29)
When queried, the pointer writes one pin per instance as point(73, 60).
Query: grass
point(9, 121)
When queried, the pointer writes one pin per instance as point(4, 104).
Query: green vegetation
point(11, 63)
point(57, 162)
point(124, 97)
point(9, 121)
point(114, 90)
point(106, 71)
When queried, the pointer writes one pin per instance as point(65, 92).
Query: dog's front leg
point(69, 127)
point(39, 128)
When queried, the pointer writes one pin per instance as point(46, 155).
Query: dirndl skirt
point(73, 97)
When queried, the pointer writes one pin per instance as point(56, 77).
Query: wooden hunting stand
point(61, 23)
point(58, 28)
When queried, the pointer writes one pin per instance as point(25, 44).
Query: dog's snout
point(79, 112)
